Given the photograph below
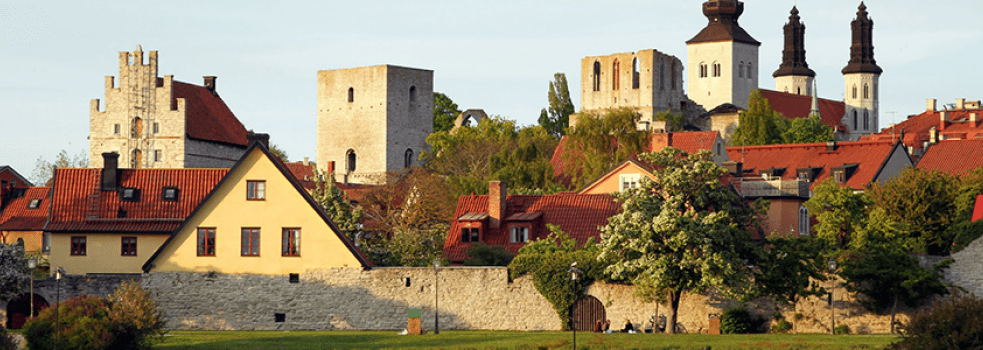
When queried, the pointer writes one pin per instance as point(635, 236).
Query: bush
point(481, 254)
point(7, 340)
point(841, 329)
point(735, 321)
point(126, 320)
point(781, 326)
point(956, 323)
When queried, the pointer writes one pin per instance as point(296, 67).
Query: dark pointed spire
point(862, 48)
point(723, 15)
point(794, 54)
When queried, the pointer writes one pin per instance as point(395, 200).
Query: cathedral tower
point(793, 75)
point(861, 76)
point(722, 58)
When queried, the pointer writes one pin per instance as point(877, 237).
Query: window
point(804, 175)
point(130, 194)
point(294, 278)
point(351, 157)
point(662, 76)
point(412, 92)
point(740, 70)
point(351, 94)
point(520, 234)
point(470, 234)
point(408, 158)
point(128, 246)
point(169, 194)
point(749, 71)
point(137, 159)
point(46, 242)
point(291, 242)
point(250, 241)
point(615, 75)
point(854, 120)
point(206, 241)
point(33, 204)
point(629, 181)
point(866, 120)
point(854, 91)
point(256, 190)
point(158, 155)
point(866, 91)
point(672, 81)
point(279, 317)
point(156, 128)
point(703, 70)
point(720, 148)
point(803, 221)
point(116, 129)
point(78, 245)
point(597, 76)
point(137, 130)
point(716, 69)
point(839, 176)
point(798, 91)
point(634, 73)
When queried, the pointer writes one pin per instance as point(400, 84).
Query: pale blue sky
point(494, 55)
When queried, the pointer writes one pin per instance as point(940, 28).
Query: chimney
point(735, 168)
point(974, 119)
point(943, 120)
point(831, 146)
point(497, 190)
point(930, 105)
point(110, 172)
point(960, 103)
point(263, 139)
point(933, 135)
point(307, 161)
point(210, 83)
point(331, 167)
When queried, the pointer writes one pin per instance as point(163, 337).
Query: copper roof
point(17, 216)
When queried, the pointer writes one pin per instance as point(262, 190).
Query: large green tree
point(445, 111)
point(923, 202)
point(791, 268)
point(599, 142)
point(556, 118)
point(839, 210)
point(332, 199)
point(759, 125)
point(807, 130)
point(682, 233)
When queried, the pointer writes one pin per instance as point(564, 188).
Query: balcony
point(757, 187)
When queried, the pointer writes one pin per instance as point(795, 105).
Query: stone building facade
point(861, 77)
point(722, 58)
point(158, 122)
point(372, 120)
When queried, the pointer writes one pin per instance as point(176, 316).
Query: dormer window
point(169, 194)
point(470, 234)
point(130, 194)
point(33, 204)
point(519, 234)
point(842, 173)
point(839, 176)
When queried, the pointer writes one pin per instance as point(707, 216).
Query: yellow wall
point(228, 212)
point(611, 182)
point(32, 239)
point(102, 252)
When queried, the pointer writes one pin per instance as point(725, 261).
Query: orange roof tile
point(17, 216)
point(978, 208)
point(794, 106)
point(916, 129)
point(869, 156)
point(689, 142)
point(208, 117)
point(80, 206)
point(953, 156)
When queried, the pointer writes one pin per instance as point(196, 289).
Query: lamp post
point(58, 275)
point(32, 263)
point(436, 297)
point(831, 264)
point(574, 276)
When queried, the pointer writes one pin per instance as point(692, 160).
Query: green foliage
point(807, 130)
point(481, 254)
point(782, 326)
point(841, 329)
point(886, 275)
point(685, 232)
point(759, 125)
point(557, 118)
point(735, 321)
point(954, 323)
point(548, 261)
point(334, 202)
point(137, 322)
point(922, 203)
point(43, 169)
point(839, 211)
point(445, 112)
point(13, 271)
point(965, 233)
point(599, 142)
point(962, 229)
point(414, 247)
point(674, 121)
point(791, 268)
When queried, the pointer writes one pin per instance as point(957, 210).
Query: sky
point(494, 55)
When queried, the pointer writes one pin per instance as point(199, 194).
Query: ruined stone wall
point(967, 270)
point(659, 88)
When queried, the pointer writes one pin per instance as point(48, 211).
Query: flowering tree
point(13, 271)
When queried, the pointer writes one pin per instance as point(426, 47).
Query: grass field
point(310, 340)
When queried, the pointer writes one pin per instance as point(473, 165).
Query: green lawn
point(298, 340)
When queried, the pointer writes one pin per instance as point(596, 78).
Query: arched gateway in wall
point(18, 309)
point(586, 313)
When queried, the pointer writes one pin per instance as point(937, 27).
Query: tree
point(335, 203)
point(43, 169)
point(556, 119)
point(682, 233)
point(807, 130)
point(601, 141)
point(411, 247)
point(674, 121)
point(13, 271)
point(481, 254)
point(759, 125)
point(923, 202)
point(791, 268)
point(839, 210)
point(445, 112)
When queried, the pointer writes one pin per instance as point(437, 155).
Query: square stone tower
point(372, 120)
point(649, 81)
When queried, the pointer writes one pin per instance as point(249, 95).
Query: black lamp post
point(58, 275)
point(831, 264)
point(574, 276)
point(32, 263)
point(436, 297)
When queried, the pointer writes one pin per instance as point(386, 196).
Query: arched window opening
point(854, 120)
point(866, 121)
point(597, 76)
point(740, 70)
point(716, 69)
point(615, 75)
point(672, 82)
point(351, 94)
point(412, 93)
point(634, 73)
point(703, 70)
point(137, 130)
point(798, 91)
point(803, 221)
point(866, 91)
point(408, 158)
point(662, 76)
point(854, 91)
point(136, 159)
point(750, 72)
point(351, 158)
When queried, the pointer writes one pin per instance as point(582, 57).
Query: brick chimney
point(109, 180)
point(943, 120)
point(960, 104)
point(210, 83)
point(261, 138)
point(735, 168)
point(497, 190)
point(331, 167)
point(831, 146)
point(974, 119)
point(930, 105)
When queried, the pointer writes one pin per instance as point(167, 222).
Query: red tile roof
point(16, 216)
point(916, 129)
point(689, 142)
point(579, 215)
point(869, 157)
point(207, 117)
point(304, 174)
point(978, 209)
point(953, 156)
point(8, 173)
point(794, 106)
point(80, 206)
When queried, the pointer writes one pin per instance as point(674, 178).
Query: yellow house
point(257, 220)
point(625, 176)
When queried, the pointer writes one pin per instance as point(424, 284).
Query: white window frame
point(628, 181)
point(803, 221)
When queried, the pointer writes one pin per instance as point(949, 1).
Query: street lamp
point(436, 297)
point(831, 264)
point(574, 276)
point(32, 263)
point(59, 273)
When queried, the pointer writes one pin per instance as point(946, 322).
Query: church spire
point(862, 48)
point(794, 54)
point(722, 16)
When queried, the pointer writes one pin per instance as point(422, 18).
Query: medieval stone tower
point(154, 122)
point(793, 75)
point(861, 76)
point(722, 58)
point(372, 120)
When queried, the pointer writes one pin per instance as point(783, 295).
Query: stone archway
point(465, 118)
point(587, 312)
point(19, 308)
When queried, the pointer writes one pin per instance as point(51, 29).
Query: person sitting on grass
point(629, 328)
point(607, 326)
point(598, 326)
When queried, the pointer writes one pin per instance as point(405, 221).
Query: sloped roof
point(869, 158)
point(78, 204)
point(207, 117)
point(22, 182)
point(689, 142)
point(978, 208)
point(953, 156)
point(303, 173)
point(916, 129)
point(16, 216)
point(579, 215)
point(794, 106)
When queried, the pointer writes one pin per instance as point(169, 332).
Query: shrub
point(781, 326)
point(841, 329)
point(955, 323)
point(7, 340)
point(481, 254)
point(735, 321)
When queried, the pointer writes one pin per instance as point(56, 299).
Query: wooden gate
point(586, 313)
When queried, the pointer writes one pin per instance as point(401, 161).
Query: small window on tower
point(115, 129)
point(156, 128)
point(158, 155)
point(351, 94)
